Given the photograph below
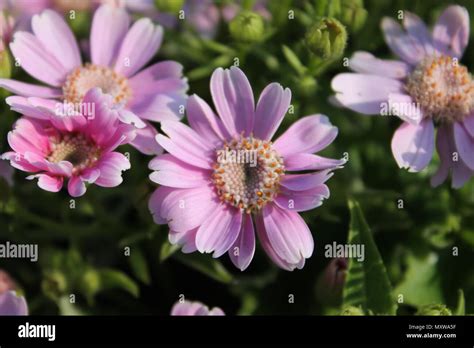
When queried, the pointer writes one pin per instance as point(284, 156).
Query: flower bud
point(434, 309)
point(327, 38)
point(247, 27)
point(5, 62)
point(54, 285)
point(331, 282)
point(170, 6)
point(353, 14)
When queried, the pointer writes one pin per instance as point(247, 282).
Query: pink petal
point(288, 234)
point(465, 144)
point(28, 135)
point(204, 121)
point(241, 253)
point(306, 161)
point(403, 45)
point(413, 145)
point(109, 27)
point(418, 31)
point(309, 134)
point(63, 168)
point(145, 140)
point(233, 99)
point(184, 209)
point(403, 106)
point(170, 171)
point(36, 60)
point(451, 31)
point(302, 200)
point(30, 90)
point(111, 166)
point(219, 231)
point(56, 37)
point(76, 187)
point(469, 125)
point(47, 182)
point(366, 63)
point(302, 182)
point(12, 305)
point(139, 45)
point(364, 93)
point(160, 107)
point(159, 71)
point(271, 109)
point(186, 239)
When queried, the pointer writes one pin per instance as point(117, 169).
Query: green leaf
point(206, 265)
point(68, 308)
point(461, 307)
point(167, 249)
point(421, 284)
point(293, 60)
point(367, 283)
point(112, 279)
point(139, 265)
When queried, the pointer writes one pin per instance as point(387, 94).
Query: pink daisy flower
point(188, 308)
point(11, 304)
point(78, 148)
point(118, 53)
point(223, 173)
point(427, 88)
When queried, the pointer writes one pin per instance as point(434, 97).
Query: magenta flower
point(188, 308)
point(223, 173)
point(78, 147)
point(118, 53)
point(11, 304)
point(427, 89)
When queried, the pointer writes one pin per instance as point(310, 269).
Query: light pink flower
point(11, 304)
point(51, 55)
point(211, 202)
point(188, 308)
point(78, 147)
point(427, 89)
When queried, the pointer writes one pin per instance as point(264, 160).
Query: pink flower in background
point(428, 88)
point(223, 173)
point(7, 24)
point(77, 147)
point(188, 308)
point(51, 55)
point(11, 304)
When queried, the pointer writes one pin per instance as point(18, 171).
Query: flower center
point(74, 148)
point(443, 88)
point(247, 173)
point(83, 78)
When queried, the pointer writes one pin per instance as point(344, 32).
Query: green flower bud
point(247, 27)
point(353, 14)
point(351, 310)
point(171, 6)
point(327, 38)
point(434, 309)
point(5, 62)
point(54, 285)
point(90, 283)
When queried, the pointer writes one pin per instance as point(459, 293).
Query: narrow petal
point(29, 135)
point(48, 182)
point(241, 253)
point(36, 60)
point(306, 161)
point(204, 121)
point(109, 27)
point(302, 182)
point(160, 107)
point(76, 187)
point(363, 93)
point(413, 145)
point(418, 31)
point(464, 144)
point(271, 109)
point(145, 140)
point(403, 45)
point(403, 106)
point(307, 135)
point(234, 101)
point(57, 38)
point(451, 31)
point(219, 232)
point(366, 63)
point(111, 166)
point(170, 171)
point(186, 239)
point(139, 45)
point(469, 125)
point(30, 90)
point(302, 200)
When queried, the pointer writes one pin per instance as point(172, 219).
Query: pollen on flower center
point(75, 148)
point(83, 78)
point(443, 88)
point(247, 173)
